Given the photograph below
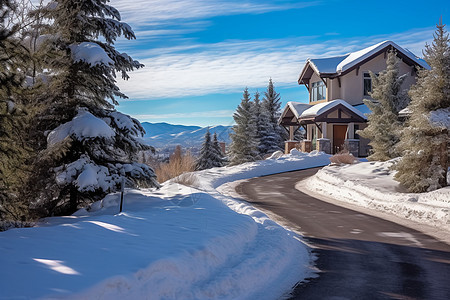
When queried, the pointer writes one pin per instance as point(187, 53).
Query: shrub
point(178, 164)
point(343, 157)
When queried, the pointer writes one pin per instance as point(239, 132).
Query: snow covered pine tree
point(262, 121)
point(90, 146)
point(209, 157)
point(244, 143)
point(221, 160)
point(425, 140)
point(383, 128)
point(273, 140)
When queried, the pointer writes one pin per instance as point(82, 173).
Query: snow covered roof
point(321, 108)
point(358, 56)
point(363, 108)
point(298, 107)
point(303, 111)
point(327, 65)
point(340, 64)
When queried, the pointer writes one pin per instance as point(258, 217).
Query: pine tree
point(262, 121)
point(383, 128)
point(90, 146)
point(272, 141)
point(13, 150)
point(219, 156)
point(425, 144)
point(244, 145)
point(209, 155)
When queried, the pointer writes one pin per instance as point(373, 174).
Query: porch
point(330, 127)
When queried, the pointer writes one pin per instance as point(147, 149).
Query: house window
point(356, 128)
point(318, 91)
point(367, 84)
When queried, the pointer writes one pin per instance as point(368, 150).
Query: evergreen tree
point(219, 158)
point(424, 142)
point(383, 128)
point(262, 121)
point(244, 144)
point(209, 155)
point(90, 146)
point(13, 150)
point(272, 141)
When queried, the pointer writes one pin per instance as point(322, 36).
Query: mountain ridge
point(163, 135)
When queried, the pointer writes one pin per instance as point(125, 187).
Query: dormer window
point(318, 91)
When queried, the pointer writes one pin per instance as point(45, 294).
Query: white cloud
point(202, 114)
point(151, 12)
point(232, 65)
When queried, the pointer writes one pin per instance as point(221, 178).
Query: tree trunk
point(73, 201)
point(444, 163)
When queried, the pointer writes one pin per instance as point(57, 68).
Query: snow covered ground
point(179, 242)
point(371, 185)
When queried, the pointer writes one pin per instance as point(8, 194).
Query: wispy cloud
point(232, 65)
point(150, 12)
point(201, 114)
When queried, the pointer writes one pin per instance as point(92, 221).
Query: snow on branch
point(90, 53)
point(84, 125)
point(440, 118)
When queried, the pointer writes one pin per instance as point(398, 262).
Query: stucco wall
point(352, 85)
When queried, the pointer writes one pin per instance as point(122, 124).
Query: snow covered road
point(359, 256)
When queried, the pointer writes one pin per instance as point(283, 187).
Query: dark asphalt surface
point(359, 256)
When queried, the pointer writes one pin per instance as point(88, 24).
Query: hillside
point(162, 135)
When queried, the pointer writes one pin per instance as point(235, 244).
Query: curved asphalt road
point(359, 256)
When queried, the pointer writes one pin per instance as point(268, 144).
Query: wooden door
point(339, 132)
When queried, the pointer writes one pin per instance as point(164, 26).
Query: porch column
point(351, 131)
point(291, 133)
point(324, 130)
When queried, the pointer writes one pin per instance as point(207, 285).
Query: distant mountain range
point(163, 135)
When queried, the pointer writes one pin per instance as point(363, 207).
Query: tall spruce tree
point(425, 142)
point(219, 155)
point(209, 156)
point(273, 140)
point(244, 144)
point(90, 147)
point(263, 125)
point(383, 128)
point(13, 150)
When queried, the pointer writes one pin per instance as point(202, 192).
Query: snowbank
point(372, 185)
point(178, 242)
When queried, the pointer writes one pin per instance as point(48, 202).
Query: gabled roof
point(321, 108)
point(306, 113)
point(340, 65)
point(292, 112)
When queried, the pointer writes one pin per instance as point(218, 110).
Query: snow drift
point(176, 242)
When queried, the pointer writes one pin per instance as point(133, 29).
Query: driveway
point(359, 256)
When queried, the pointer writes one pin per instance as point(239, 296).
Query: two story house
point(337, 87)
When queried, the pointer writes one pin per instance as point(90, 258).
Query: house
point(337, 87)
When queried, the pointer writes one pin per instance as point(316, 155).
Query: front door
point(339, 132)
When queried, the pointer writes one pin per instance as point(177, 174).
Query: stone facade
point(352, 146)
point(324, 145)
point(305, 146)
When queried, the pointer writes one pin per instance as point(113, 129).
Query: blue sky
point(201, 54)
